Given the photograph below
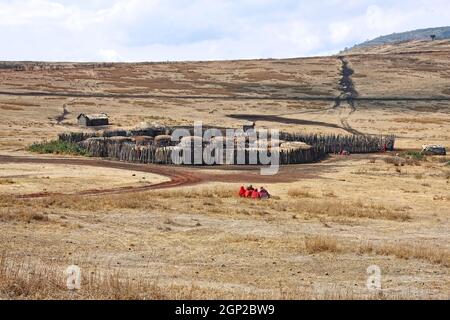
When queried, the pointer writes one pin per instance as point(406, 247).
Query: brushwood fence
point(125, 150)
point(75, 137)
point(122, 145)
point(350, 143)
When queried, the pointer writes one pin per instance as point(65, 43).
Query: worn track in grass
point(99, 95)
point(179, 176)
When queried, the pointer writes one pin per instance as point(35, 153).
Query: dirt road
point(100, 95)
point(347, 96)
point(179, 176)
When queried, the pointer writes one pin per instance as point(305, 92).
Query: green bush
point(415, 155)
point(58, 147)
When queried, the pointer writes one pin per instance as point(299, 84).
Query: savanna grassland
point(326, 224)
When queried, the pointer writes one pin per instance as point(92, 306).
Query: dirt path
point(348, 96)
point(279, 119)
point(179, 176)
point(101, 95)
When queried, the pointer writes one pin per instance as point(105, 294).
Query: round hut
point(293, 145)
point(143, 140)
point(119, 139)
point(222, 140)
point(269, 143)
point(190, 140)
point(163, 140)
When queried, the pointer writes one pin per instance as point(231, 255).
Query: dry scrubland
point(314, 239)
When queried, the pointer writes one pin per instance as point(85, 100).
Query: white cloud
point(132, 30)
point(110, 55)
point(381, 20)
point(340, 32)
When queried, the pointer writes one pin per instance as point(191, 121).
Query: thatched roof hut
point(291, 145)
point(222, 140)
point(189, 140)
point(119, 139)
point(163, 140)
point(264, 143)
point(143, 140)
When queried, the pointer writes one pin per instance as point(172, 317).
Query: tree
point(433, 36)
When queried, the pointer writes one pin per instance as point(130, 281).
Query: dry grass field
point(326, 224)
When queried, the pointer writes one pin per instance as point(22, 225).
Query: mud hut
point(293, 145)
point(163, 141)
point(220, 140)
point(190, 140)
point(269, 143)
point(143, 140)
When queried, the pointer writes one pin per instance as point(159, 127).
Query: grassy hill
point(440, 33)
point(405, 81)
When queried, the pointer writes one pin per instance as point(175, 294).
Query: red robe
point(255, 195)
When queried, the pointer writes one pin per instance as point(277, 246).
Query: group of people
point(254, 193)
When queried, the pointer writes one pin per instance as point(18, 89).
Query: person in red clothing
point(242, 192)
point(255, 194)
point(249, 192)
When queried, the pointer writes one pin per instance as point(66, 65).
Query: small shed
point(248, 125)
point(90, 120)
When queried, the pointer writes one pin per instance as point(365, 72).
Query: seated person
point(242, 192)
point(255, 194)
point(264, 194)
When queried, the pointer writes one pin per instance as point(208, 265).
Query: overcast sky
point(157, 30)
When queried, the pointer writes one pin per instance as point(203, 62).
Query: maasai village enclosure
point(87, 178)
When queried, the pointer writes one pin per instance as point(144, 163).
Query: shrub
point(396, 161)
point(320, 243)
point(415, 155)
point(24, 215)
point(58, 147)
point(299, 193)
point(429, 252)
point(6, 181)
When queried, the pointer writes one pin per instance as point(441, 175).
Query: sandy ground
point(35, 178)
point(246, 248)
